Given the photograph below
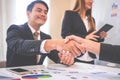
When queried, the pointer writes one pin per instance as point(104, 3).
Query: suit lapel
point(28, 32)
point(43, 36)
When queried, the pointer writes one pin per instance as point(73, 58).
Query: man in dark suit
point(23, 49)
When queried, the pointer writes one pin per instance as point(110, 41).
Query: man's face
point(38, 15)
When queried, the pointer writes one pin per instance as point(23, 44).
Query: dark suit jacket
point(22, 48)
point(73, 25)
point(110, 53)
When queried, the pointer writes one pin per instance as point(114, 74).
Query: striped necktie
point(35, 35)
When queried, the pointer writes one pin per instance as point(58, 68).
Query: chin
point(41, 23)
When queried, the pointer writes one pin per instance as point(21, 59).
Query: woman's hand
point(92, 36)
point(103, 34)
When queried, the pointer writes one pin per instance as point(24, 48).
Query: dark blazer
point(73, 25)
point(110, 53)
point(22, 48)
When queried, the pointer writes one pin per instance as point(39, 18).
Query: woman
point(80, 22)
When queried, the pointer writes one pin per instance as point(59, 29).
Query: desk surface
point(78, 71)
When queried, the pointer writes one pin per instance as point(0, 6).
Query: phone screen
point(19, 70)
point(105, 28)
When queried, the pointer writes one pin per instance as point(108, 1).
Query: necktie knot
point(35, 35)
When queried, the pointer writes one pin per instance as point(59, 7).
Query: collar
point(32, 29)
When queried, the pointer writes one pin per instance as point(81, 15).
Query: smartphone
point(20, 71)
point(105, 28)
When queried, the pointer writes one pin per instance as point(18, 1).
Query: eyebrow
point(42, 9)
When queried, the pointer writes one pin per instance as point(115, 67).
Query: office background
point(104, 11)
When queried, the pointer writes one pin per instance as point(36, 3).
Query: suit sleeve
point(110, 53)
point(54, 56)
point(17, 44)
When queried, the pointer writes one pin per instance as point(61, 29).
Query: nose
point(43, 13)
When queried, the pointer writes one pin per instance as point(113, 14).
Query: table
point(106, 63)
point(78, 71)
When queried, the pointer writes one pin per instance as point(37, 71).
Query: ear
point(28, 14)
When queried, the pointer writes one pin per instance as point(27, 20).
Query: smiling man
point(27, 45)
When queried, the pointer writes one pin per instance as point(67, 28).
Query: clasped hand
point(71, 49)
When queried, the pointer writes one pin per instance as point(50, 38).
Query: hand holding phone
point(105, 28)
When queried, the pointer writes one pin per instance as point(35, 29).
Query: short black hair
point(31, 5)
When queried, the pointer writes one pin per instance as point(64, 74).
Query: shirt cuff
point(42, 50)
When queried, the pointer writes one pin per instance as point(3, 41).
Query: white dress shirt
point(86, 56)
point(42, 50)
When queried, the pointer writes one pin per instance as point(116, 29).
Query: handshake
point(69, 48)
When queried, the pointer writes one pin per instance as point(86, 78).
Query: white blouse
point(86, 56)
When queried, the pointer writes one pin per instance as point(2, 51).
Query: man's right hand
point(60, 45)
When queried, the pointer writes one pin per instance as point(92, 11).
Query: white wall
point(1, 36)
point(57, 10)
point(102, 11)
point(6, 17)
